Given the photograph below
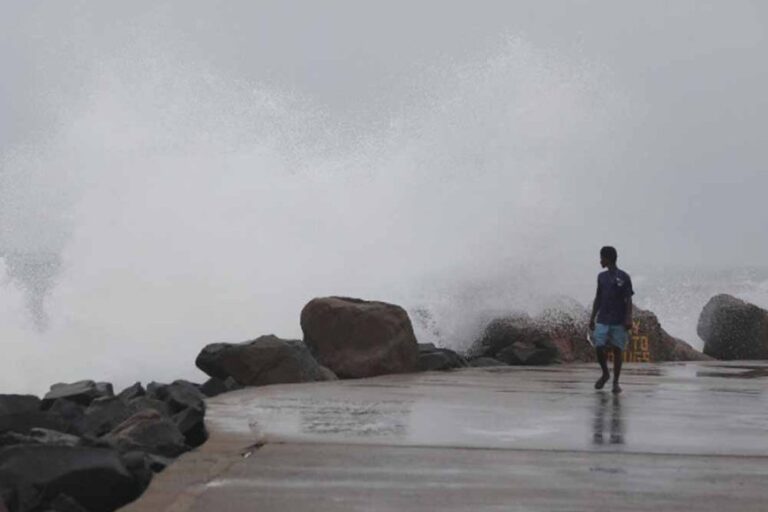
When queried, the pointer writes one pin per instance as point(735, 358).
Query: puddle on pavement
point(754, 373)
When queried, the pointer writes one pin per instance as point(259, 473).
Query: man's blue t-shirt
point(614, 288)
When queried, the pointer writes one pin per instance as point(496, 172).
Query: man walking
point(612, 309)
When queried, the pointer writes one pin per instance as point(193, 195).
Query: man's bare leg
point(602, 358)
point(617, 360)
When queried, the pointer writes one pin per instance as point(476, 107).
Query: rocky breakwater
point(733, 329)
point(344, 338)
point(559, 335)
point(84, 448)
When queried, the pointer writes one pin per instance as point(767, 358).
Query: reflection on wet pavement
point(385, 418)
point(608, 420)
point(669, 408)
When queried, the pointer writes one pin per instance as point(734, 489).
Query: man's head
point(608, 256)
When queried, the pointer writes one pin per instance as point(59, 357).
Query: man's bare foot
point(616, 388)
point(602, 380)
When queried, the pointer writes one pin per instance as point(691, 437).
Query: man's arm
point(595, 306)
point(628, 315)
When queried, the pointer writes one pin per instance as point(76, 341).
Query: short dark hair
point(609, 253)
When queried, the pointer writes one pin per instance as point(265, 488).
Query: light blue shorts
point(615, 335)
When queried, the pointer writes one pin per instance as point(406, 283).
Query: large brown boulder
point(648, 342)
point(260, 362)
point(733, 329)
point(357, 338)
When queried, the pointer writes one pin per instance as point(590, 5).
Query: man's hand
point(592, 324)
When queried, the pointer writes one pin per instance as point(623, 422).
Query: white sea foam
point(174, 206)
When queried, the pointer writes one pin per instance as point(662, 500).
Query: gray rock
point(141, 403)
point(70, 412)
point(133, 391)
point(432, 358)
point(516, 340)
point(214, 387)
point(356, 338)
point(265, 360)
point(150, 432)
point(95, 477)
point(484, 362)
point(83, 392)
point(22, 423)
point(191, 424)
point(40, 436)
point(327, 374)
point(733, 329)
point(15, 404)
point(527, 354)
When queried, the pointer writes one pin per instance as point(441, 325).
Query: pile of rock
point(343, 338)
point(82, 447)
point(559, 335)
point(733, 329)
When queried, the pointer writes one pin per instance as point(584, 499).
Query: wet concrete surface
point(680, 436)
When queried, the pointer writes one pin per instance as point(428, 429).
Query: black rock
point(15, 404)
point(104, 414)
point(483, 362)
point(435, 359)
point(64, 503)
point(22, 423)
point(179, 395)
point(158, 463)
point(191, 424)
point(142, 403)
point(214, 386)
point(83, 392)
point(733, 329)
point(138, 463)
point(263, 361)
point(96, 478)
point(67, 409)
point(132, 391)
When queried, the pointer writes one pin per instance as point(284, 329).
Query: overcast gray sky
point(695, 69)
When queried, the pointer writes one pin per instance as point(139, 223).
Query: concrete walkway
point(681, 436)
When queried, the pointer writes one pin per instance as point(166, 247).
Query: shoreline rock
point(559, 336)
point(357, 338)
point(84, 448)
point(733, 329)
point(260, 362)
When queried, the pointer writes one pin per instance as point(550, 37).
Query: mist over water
point(171, 203)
